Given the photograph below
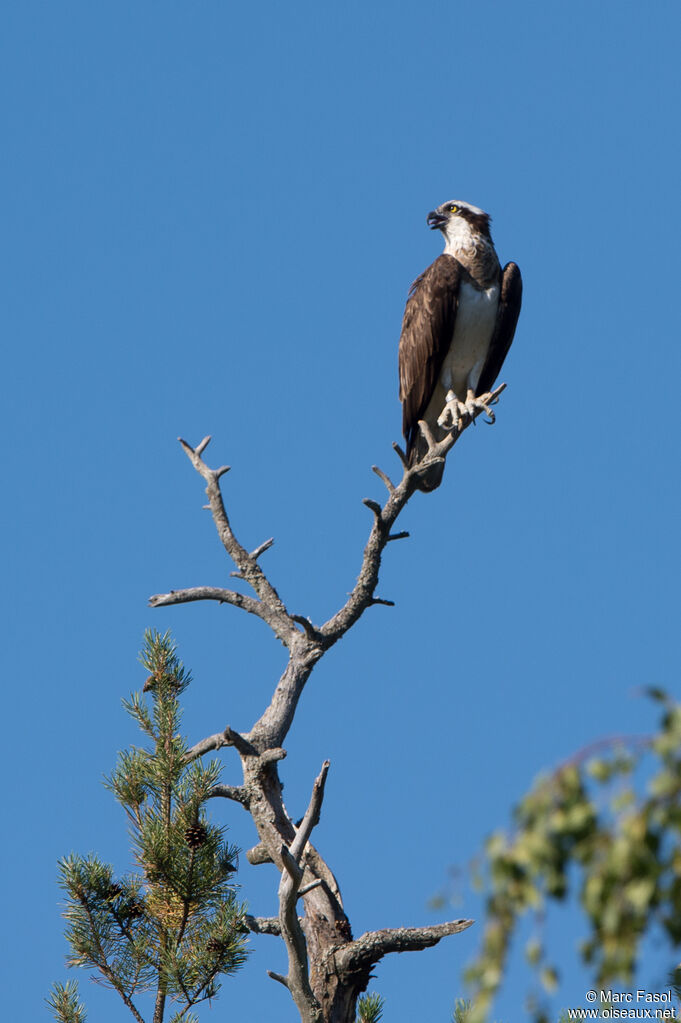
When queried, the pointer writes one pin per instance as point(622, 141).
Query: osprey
point(458, 326)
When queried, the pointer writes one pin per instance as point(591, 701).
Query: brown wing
point(427, 330)
point(504, 329)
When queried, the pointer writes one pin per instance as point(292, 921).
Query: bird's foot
point(452, 416)
point(483, 403)
point(458, 414)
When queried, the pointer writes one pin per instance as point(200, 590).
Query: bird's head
point(459, 221)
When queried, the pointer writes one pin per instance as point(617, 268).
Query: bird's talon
point(451, 417)
point(475, 405)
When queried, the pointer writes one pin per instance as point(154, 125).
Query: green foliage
point(462, 1011)
point(370, 1008)
point(675, 982)
point(65, 1004)
point(625, 845)
point(174, 926)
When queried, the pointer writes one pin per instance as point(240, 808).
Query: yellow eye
point(453, 208)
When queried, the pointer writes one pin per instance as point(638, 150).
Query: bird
point(458, 325)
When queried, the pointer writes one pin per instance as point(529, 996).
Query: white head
point(463, 225)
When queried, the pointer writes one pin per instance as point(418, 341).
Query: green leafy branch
point(626, 846)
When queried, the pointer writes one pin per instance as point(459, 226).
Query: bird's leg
point(482, 403)
point(453, 412)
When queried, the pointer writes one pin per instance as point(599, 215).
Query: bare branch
point(608, 742)
point(386, 479)
point(309, 887)
point(401, 455)
point(263, 924)
point(226, 738)
point(258, 854)
point(311, 818)
point(273, 609)
point(311, 631)
point(262, 548)
point(237, 793)
point(241, 600)
point(291, 866)
point(428, 436)
point(325, 966)
point(373, 505)
point(362, 595)
point(306, 649)
point(366, 951)
point(272, 755)
point(298, 980)
point(200, 447)
point(272, 727)
point(278, 977)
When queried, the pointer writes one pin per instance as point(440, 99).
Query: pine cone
point(195, 836)
point(133, 909)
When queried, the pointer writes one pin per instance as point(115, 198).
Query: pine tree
point(174, 926)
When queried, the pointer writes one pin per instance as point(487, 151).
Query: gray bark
point(327, 968)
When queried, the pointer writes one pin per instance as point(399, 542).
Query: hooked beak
point(435, 220)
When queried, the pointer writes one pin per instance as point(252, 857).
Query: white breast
point(475, 319)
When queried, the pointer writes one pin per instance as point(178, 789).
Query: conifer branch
point(175, 925)
point(100, 960)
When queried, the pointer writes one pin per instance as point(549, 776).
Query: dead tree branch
point(222, 596)
point(263, 924)
point(237, 793)
point(228, 737)
point(273, 610)
point(361, 955)
point(327, 969)
point(384, 518)
point(298, 980)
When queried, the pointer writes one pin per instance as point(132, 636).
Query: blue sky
point(212, 214)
